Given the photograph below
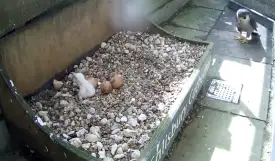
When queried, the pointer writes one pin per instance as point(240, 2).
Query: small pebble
point(93, 154)
point(64, 103)
point(117, 138)
point(143, 139)
point(104, 121)
point(89, 116)
point(119, 150)
point(118, 119)
point(133, 122)
point(108, 159)
point(124, 147)
point(135, 154)
point(129, 133)
point(103, 45)
point(99, 145)
point(92, 110)
point(119, 156)
point(113, 149)
point(86, 146)
point(101, 154)
point(115, 131)
point(81, 132)
point(89, 59)
point(142, 117)
point(161, 107)
point(91, 138)
point(123, 119)
point(76, 142)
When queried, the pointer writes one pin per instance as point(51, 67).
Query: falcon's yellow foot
point(239, 38)
point(244, 41)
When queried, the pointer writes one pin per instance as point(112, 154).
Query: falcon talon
point(244, 41)
point(238, 38)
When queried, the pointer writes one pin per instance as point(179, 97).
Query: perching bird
point(86, 89)
point(245, 23)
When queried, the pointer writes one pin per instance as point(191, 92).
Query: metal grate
point(224, 91)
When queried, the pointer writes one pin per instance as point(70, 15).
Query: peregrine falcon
point(245, 23)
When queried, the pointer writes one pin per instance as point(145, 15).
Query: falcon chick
point(86, 89)
point(245, 23)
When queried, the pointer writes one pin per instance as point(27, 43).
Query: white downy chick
point(86, 89)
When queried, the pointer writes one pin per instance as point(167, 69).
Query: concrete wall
point(15, 13)
point(266, 7)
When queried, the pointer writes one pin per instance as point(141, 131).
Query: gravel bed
point(116, 126)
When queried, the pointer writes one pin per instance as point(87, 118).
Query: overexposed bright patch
point(213, 61)
point(228, 23)
point(242, 142)
point(231, 71)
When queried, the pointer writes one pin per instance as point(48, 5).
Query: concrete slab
point(186, 32)
point(166, 11)
point(255, 78)
point(227, 21)
point(220, 136)
point(258, 50)
point(216, 4)
point(197, 18)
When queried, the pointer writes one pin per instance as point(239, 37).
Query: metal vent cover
point(224, 91)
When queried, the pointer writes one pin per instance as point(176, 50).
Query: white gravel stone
point(108, 159)
point(135, 154)
point(92, 110)
point(102, 154)
point(123, 119)
point(142, 117)
point(81, 132)
point(115, 131)
point(76, 142)
point(93, 154)
point(86, 146)
point(91, 138)
point(103, 45)
point(125, 147)
point(104, 121)
point(99, 145)
point(89, 116)
point(119, 150)
point(133, 122)
point(64, 103)
point(117, 119)
point(129, 133)
point(117, 138)
point(143, 139)
point(113, 149)
point(119, 156)
point(161, 106)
